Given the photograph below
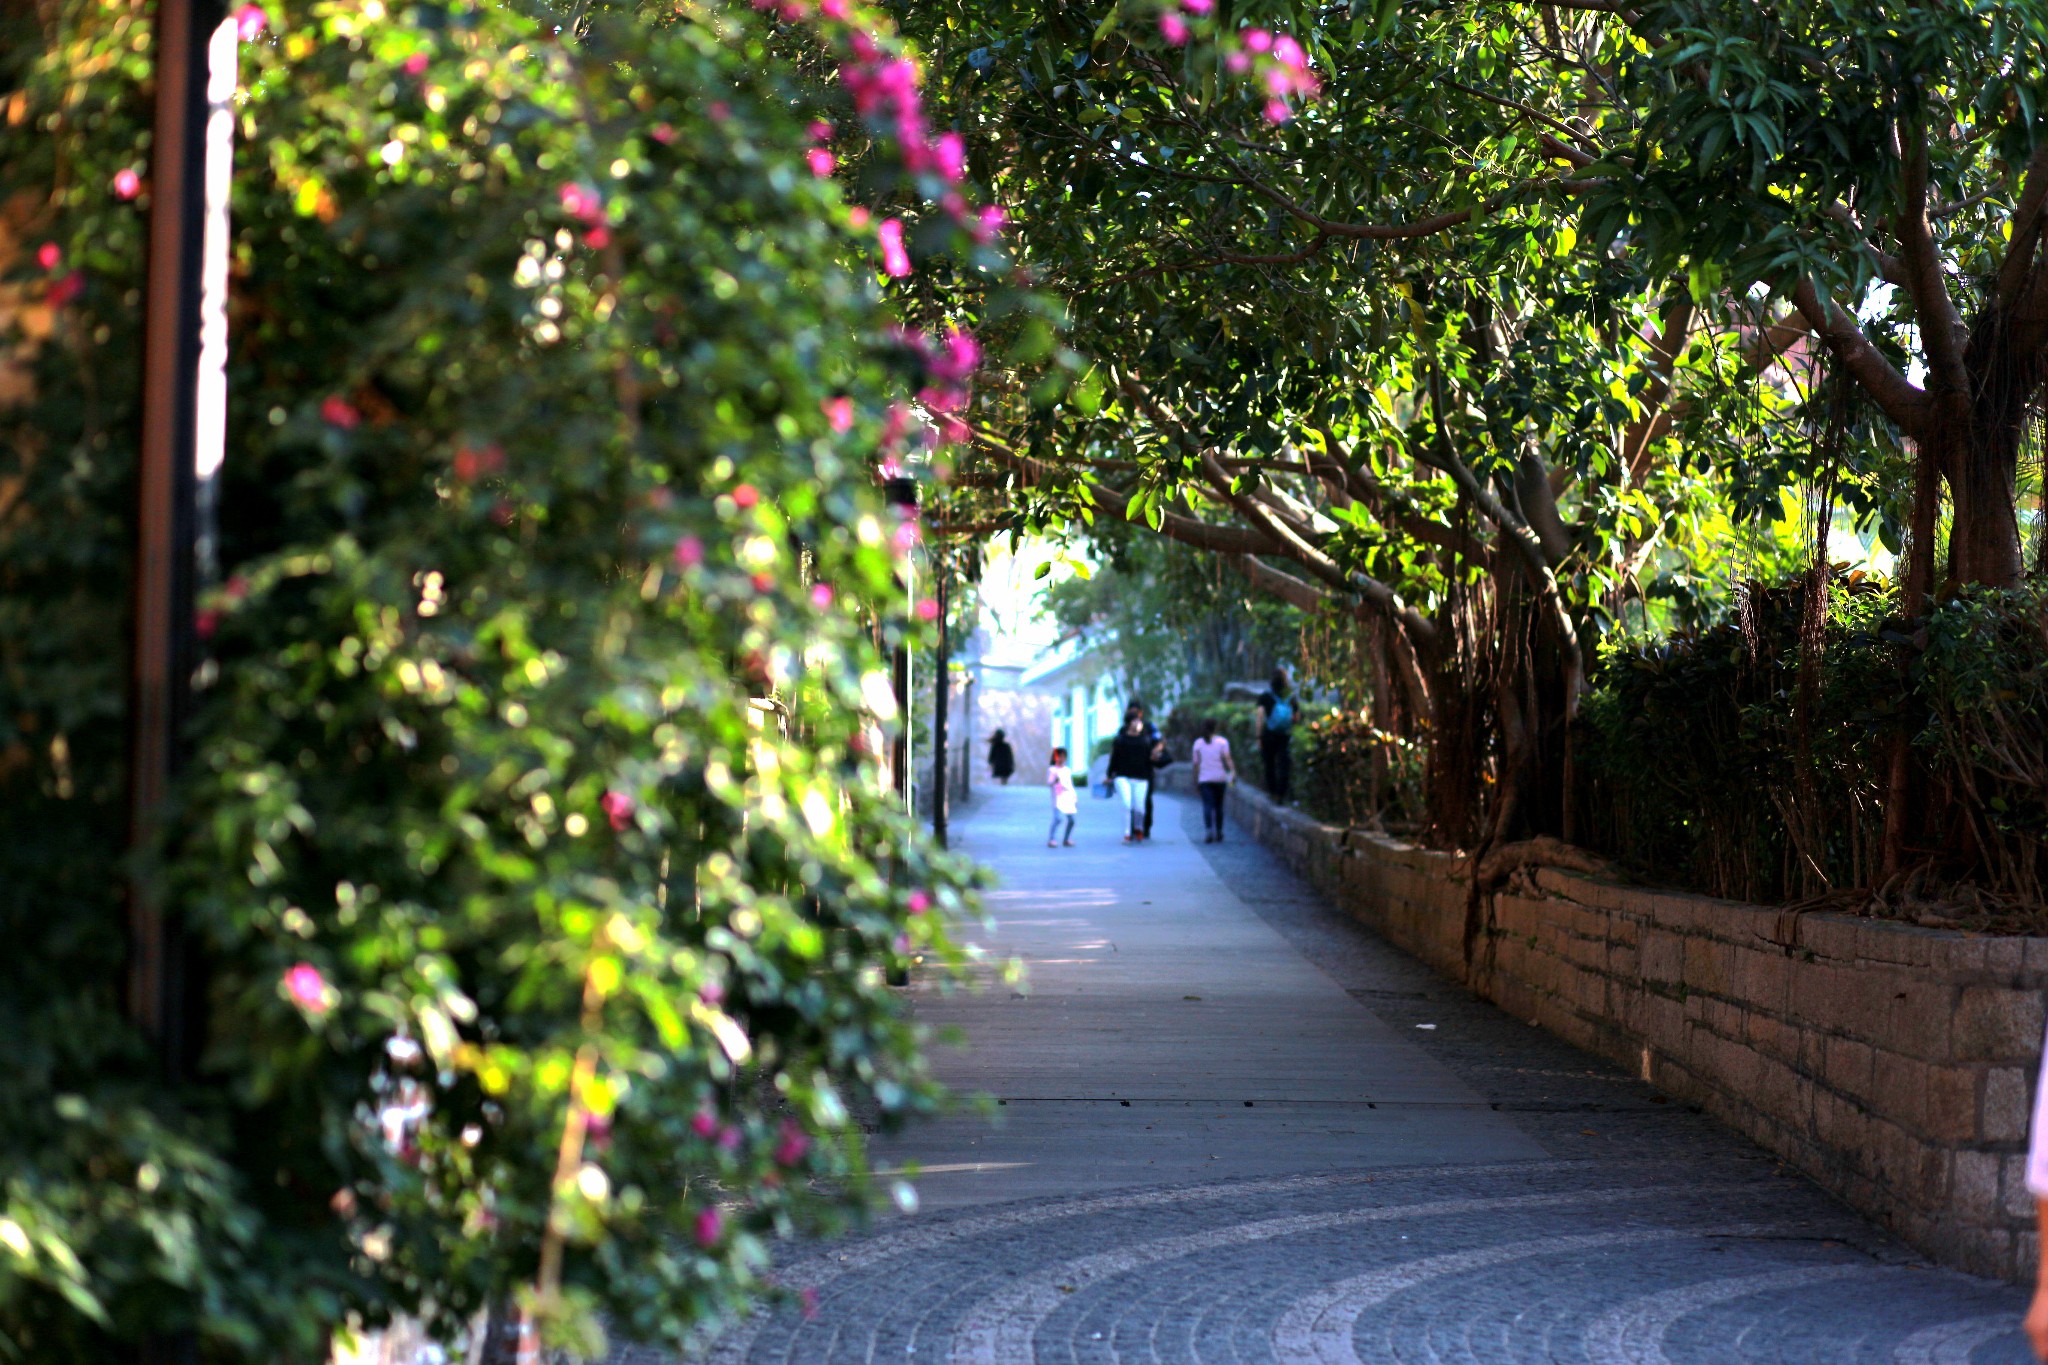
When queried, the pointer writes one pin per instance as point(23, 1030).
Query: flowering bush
point(531, 830)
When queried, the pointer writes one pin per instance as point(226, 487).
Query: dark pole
point(180, 444)
point(183, 415)
point(901, 491)
point(942, 686)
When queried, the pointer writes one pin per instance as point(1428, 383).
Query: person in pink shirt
point(1214, 772)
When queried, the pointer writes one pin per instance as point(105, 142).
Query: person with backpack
point(1002, 759)
point(1276, 735)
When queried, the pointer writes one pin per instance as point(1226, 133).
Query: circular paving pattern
point(1605, 1263)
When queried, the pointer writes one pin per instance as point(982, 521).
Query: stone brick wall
point(1892, 1064)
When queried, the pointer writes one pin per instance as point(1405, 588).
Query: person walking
point(1214, 772)
point(1066, 802)
point(1161, 757)
point(1276, 735)
point(1002, 759)
point(1130, 768)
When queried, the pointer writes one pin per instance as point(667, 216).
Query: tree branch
point(1656, 419)
point(1200, 535)
point(1890, 268)
point(1941, 327)
point(1421, 227)
point(2027, 219)
point(1901, 400)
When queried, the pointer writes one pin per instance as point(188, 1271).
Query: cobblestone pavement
point(1472, 1191)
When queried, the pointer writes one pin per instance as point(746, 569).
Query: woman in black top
point(1001, 761)
point(1130, 767)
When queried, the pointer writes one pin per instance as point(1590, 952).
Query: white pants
point(1132, 790)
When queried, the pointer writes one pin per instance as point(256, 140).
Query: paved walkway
point(1237, 1128)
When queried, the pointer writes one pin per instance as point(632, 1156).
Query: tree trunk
point(1984, 542)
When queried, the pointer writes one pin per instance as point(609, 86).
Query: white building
point(1088, 697)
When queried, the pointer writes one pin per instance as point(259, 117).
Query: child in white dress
point(1065, 804)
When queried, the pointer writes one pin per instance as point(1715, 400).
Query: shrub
point(1697, 766)
point(1354, 774)
point(1982, 677)
point(529, 789)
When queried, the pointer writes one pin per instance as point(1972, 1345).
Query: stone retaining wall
point(1892, 1064)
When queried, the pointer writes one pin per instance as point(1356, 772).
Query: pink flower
point(1173, 28)
point(205, 623)
point(1257, 39)
point(664, 133)
point(66, 289)
point(907, 536)
point(895, 260)
point(745, 495)
point(710, 1227)
point(618, 809)
point(728, 1139)
point(858, 217)
point(250, 21)
point(1238, 63)
point(822, 162)
point(1288, 53)
point(416, 64)
point(49, 255)
point(711, 993)
point(127, 184)
point(950, 150)
point(1198, 6)
point(339, 413)
point(598, 238)
point(832, 9)
point(821, 595)
point(919, 902)
point(792, 1145)
point(1277, 111)
point(927, 609)
point(819, 130)
point(703, 1123)
point(582, 204)
point(989, 223)
point(689, 552)
point(960, 358)
point(839, 412)
point(718, 111)
point(307, 988)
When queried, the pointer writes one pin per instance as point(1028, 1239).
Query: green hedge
point(1702, 767)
